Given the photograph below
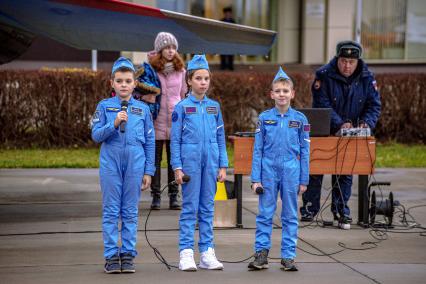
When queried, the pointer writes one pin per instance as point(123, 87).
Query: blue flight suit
point(354, 99)
point(281, 164)
point(198, 148)
point(124, 159)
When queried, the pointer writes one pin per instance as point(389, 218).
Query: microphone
point(124, 105)
point(185, 179)
point(259, 190)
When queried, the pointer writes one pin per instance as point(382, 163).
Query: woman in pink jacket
point(170, 70)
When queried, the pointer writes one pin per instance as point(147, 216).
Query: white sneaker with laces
point(186, 262)
point(208, 260)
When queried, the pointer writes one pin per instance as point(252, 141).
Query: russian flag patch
point(307, 127)
point(190, 109)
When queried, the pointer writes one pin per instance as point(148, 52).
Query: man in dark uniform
point(347, 86)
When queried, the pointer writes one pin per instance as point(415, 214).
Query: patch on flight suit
point(212, 110)
point(375, 85)
point(190, 110)
point(270, 122)
point(112, 109)
point(259, 124)
point(96, 115)
point(136, 110)
point(307, 127)
point(317, 84)
point(294, 124)
point(175, 116)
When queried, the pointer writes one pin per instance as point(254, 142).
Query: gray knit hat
point(164, 39)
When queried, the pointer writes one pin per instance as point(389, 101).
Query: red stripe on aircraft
point(116, 6)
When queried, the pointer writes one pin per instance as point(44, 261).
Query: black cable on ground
point(157, 253)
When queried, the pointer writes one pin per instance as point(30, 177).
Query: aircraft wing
point(113, 25)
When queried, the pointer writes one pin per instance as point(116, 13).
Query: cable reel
point(384, 207)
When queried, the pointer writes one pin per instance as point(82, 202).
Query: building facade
point(392, 31)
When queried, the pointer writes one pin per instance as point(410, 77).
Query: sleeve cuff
point(149, 172)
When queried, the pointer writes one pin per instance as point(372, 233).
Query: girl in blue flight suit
point(126, 158)
point(280, 165)
point(198, 150)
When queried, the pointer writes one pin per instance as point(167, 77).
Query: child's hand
point(302, 188)
point(146, 182)
point(121, 116)
point(256, 185)
point(178, 176)
point(221, 176)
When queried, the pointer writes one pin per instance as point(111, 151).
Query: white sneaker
point(208, 260)
point(186, 262)
point(344, 223)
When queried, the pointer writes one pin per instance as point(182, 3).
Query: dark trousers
point(227, 62)
point(341, 192)
point(156, 180)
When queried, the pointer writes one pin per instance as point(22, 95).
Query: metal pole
point(363, 202)
point(238, 190)
point(358, 21)
point(94, 60)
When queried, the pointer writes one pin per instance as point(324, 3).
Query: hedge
point(53, 108)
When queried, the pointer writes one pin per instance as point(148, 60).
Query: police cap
point(349, 49)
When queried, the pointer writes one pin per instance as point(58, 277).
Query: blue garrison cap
point(122, 62)
point(281, 75)
point(199, 61)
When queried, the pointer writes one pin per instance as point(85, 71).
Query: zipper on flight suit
point(204, 133)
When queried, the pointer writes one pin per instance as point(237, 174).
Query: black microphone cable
point(157, 253)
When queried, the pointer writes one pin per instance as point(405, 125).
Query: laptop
point(319, 119)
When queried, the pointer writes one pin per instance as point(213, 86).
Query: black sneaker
point(112, 265)
point(173, 202)
point(127, 265)
point(344, 223)
point(260, 260)
point(288, 264)
point(156, 201)
point(307, 217)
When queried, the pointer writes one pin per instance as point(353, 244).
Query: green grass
point(400, 156)
point(388, 155)
point(55, 158)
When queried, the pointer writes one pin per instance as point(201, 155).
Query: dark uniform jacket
point(354, 99)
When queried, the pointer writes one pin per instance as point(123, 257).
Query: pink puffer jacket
point(173, 89)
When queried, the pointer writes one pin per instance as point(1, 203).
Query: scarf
point(168, 68)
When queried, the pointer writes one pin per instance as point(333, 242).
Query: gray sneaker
point(260, 260)
point(112, 265)
point(127, 265)
point(288, 264)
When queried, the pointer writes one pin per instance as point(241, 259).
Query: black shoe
point(260, 260)
point(288, 264)
point(127, 265)
point(307, 217)
point(156, 201)
point(112, 265)
point(344, 223)
point(173, 202)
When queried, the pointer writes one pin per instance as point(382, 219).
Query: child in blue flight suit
point(280, 164)
point(126, 158)
point(198, 150)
